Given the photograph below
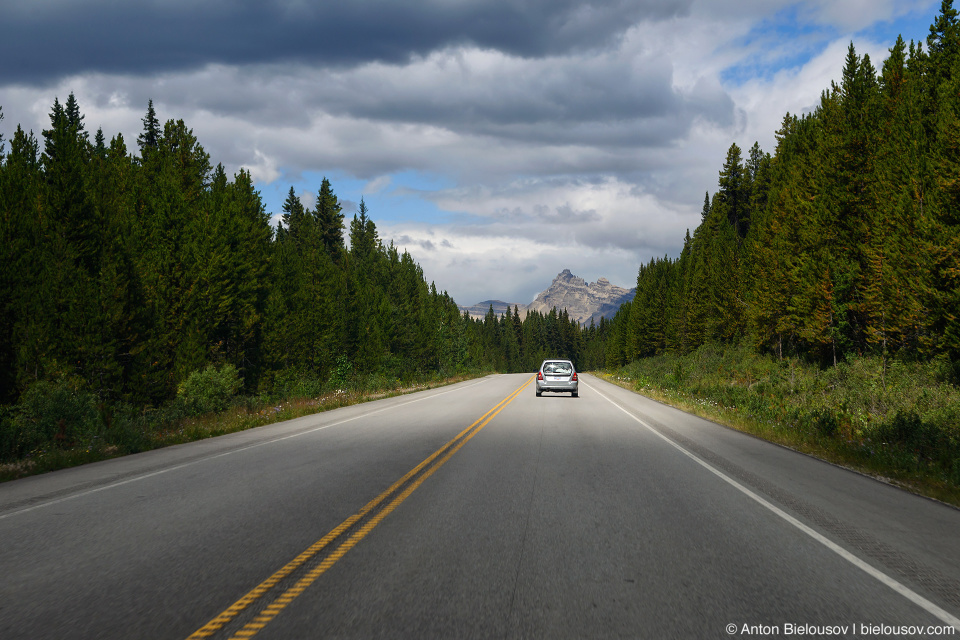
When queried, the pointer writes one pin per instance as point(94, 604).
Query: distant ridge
point(480, 309)
point(583, 301)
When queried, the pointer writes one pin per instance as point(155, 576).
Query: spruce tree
point(329, 217)
point(294, 217)
point(149, 138)
point(943, 45)
point(363, 233)
point(734, 193)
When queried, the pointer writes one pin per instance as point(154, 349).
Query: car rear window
point(561, 368)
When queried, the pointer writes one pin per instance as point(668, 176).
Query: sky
point(498, 141)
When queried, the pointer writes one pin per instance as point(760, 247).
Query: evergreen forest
point(128, 273)
point(817, 304)
point(844, 243)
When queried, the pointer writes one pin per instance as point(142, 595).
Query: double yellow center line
point(353, 529)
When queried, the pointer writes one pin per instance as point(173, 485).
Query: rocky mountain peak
point(581, 300)
point(568, 279)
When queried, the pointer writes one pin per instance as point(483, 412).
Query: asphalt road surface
point(476, 511)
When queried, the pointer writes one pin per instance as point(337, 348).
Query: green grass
point(127, 432)
point(898, 421)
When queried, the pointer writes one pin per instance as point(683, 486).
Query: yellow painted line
point(281, 602)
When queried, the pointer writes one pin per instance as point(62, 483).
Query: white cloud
point(377, 184)
point(522, 234)
point(505, 267)
point(854, 15)
point(308, 199)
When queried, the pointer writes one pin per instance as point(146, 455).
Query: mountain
point(582, 300)
point(480, 309)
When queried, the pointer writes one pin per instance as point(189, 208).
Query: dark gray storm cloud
point(47, 39)
point(594, 98)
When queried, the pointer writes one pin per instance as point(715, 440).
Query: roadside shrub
point(825, 422)
point(127, 429)
point(54, 414)
point(209, 390)
point(341, 376)
point(894, 415)
point(291, 383)
point(642, 382)
point(679, 373)
point(911, 433)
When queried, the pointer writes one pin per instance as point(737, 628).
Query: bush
point(825, 422)
point(52, 414)
point(127, 429)
point(340, 378)
point(896, 415)
point(291, 383)
point(209, 390)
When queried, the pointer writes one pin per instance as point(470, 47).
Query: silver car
point(557, 376)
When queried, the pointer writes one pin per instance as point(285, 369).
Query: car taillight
point(539, 375)
point(574, 377)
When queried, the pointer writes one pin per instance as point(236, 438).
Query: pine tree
point(329, 217)
point(363, 233)
point(149, 138)
point(775, 244)
point(170, 190)
point(945, 222)
point(294, 217)
point(734, 194)
point(943, 45)
point(759, 176)
point(897, 272)
point(118, 314)
point(65, 158)
point(21, 309)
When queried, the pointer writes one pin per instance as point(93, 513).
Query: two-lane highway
point(477, 510)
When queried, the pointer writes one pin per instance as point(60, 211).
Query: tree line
point(125, 272)
point(844, 242)
point(130, 271)
point(511, 343)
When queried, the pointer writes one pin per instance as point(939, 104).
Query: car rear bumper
point(558, 386)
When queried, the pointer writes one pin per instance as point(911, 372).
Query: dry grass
point(784, 405)
point(237, 418)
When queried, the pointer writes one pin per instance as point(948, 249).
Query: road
point(475, 511)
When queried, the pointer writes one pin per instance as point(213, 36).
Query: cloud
point(574, 112)
point(377, 184)
point(405, 241)
point(519, 267)
point(308, 199)
point(524, 233)
point(560, 133)
point(156, 36)
point(852, 15)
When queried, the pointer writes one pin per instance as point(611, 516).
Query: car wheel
point(539, 393)
point(575, 394)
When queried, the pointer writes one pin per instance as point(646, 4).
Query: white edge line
point(894, 584)
point(226, 453)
